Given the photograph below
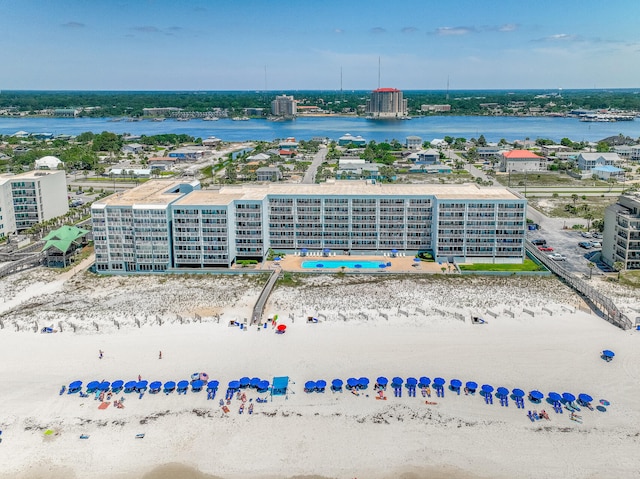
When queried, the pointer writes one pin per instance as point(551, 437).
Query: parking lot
point(565, 242)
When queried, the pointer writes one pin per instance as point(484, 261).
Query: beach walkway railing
point(595, 298)
point(258, 309)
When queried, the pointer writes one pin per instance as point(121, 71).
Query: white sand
point(333, 435)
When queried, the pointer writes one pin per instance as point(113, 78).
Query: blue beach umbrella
point(396, 381)
point(93, 385)
point(234, 384)
point(336, 384)
point(104, 386)
point(142, 385)
point(263, 386)
point(363, 383)
point(352, 383)
point(608, 353)
point(212, 385)
point(584, 398)
point(394, 251)
point(75, 386)
point(326, 250)
point(416, 260)
point(471, 385)
point(182, 385)
point(424, 381)
point(455, 383)
point(411, 382)
point(304, 250)
point(169, 386)
point(536, 395)
point(277, 258)
point(487, 388)
point(130, 385)
point(254, 382)
point(155, 386)
point(439, 381)
point(321, 384)
point(197, 385)
point(117, 385)
point(382, 381)
point(309, 386)
point(554, 396)
point(518, 393)
point(502, 392)
point(244, 382)
point(568, 397)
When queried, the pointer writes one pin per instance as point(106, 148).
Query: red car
point(545, 248)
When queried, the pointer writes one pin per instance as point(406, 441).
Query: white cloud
point(444, 31)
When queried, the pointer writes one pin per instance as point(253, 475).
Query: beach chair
point(140, 436)
point(84, 436)
point(62, 390)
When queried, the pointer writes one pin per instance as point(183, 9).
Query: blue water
point(428, 128)
point(336, 263)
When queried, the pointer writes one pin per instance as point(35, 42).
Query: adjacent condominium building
point(386, 103)
point(30, 198)
point(621, 238)
point(284, 105)
point(172, 225)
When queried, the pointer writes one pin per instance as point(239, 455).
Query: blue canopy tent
point(182, 386)
point(502, 392)
point(234, 385)
point(263, 386)
point(92, 386)
point(336, 385)
point(424, 382)
point(411, 382)
point(155, 386)
point(280, 385)
point(326, 251)
point(130, 386)
point(363, 383)
point(304, 251)
point(455, 384)
point(396, 382)
point(116, 386)
point(74, 387)
point(382, 382)
point(245, 382)
point(169, 386)
point(321, 385)
point(471, 386)
point(142, 385)
point(309, 386)
point(568, 397)
point(584, 399)
point(394, 251)
point(197, 385)
point(352, 383)
point(213, 385)
point(104, 386)
point(517, 393)
point(535, 396)
point(254, 382)
point(439, 382)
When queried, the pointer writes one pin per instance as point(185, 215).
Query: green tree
point(602, 147)
point(618, 266)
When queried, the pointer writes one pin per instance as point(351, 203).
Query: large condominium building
point(621, 238)
point(284, 105)
point(162, 225)
point(386, 103)
point(30, 198)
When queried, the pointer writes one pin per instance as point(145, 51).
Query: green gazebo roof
point(62, 238)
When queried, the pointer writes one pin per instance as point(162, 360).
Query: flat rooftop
point(155, 193)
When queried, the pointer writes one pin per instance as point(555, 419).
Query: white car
point(585, 234)
point(596, 244)
point(557, 257)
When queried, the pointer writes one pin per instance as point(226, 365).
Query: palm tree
point(618, 266)
point(444, 268)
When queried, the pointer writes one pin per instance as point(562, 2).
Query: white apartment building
point(284, 105)
point(621, 237)
point(169, 225)
point(30, 198)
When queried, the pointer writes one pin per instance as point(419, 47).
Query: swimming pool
point(336, 263)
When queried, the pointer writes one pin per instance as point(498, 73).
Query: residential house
point(413, 143)
point(133, 148)
point(522, 160)
point(269, 173)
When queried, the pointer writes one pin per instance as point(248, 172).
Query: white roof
point(50, 162)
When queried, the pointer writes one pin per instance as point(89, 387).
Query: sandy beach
point(369, 326)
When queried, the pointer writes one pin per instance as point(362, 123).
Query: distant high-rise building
point(284, 105)
point(386, 103)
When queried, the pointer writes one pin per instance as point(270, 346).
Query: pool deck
point(399, 264)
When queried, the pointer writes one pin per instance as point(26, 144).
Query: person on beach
point(160, 355)
point(139, 377)
point(100, 353)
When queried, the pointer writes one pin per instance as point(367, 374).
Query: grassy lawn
point(630, 278)
point(527, 265)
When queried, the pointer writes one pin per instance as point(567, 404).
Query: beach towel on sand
point(104, 405)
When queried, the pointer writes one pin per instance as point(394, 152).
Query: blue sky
point(228, 44)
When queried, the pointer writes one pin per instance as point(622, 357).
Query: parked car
point(596, 244)
point(539, 242)
point(584, 244)
point(597, 235)
point(545, 248)
point(586, 234)
point(557, 257)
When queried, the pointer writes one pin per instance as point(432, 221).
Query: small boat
point(210, 118)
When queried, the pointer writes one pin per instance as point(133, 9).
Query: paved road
point(318, 158)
